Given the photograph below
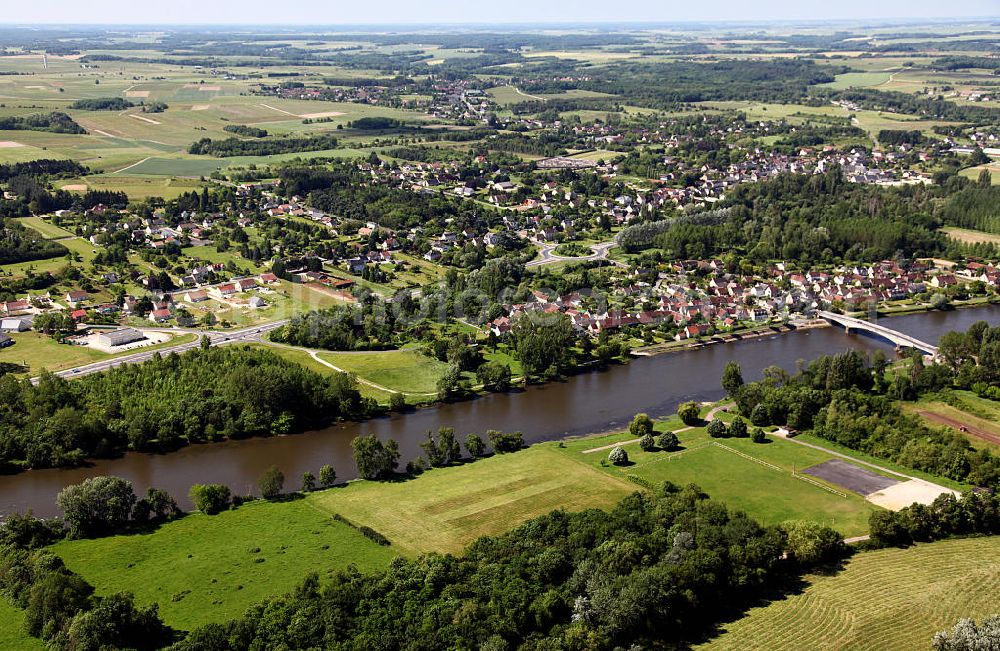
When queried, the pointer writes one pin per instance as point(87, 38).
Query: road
point(546, 254)
point(246, 335)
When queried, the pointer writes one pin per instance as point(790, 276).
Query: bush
point(308, 482)
point(618, 456)
point(647, 443)
point(717, 429)
point(397, 401)
point(758, 436)
point(759, 415)
point(640, 426)
point(475, 445)
point(327, 476)
point(668, 441)
point(210, 498)
point(689, 413)
point(505, 442)
point(374, 536)
point(738, 428)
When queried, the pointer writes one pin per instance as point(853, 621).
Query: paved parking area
point(849, 476)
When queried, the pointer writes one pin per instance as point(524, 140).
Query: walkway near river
point(709, 417)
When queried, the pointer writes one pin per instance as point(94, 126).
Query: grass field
point(47, 229)
point(770, 494)
point(406, 371)
point(38, 351)
point(205, 568)
point(974, 172)
point(882, 600)
point(857, 80)
point(980, 415)
point(12, 635)
point(968, 236)
point(447, 508)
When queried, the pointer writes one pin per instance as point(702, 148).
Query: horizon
point(453, 13)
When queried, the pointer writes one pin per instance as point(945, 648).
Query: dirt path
point(275, 108)
point(132, 165)
point(710, 416)
point(958, 425)
point(523, 94)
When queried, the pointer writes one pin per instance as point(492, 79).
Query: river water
point(590, 402)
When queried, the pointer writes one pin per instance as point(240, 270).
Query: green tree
point(647, 443)
point(270, 482)
point(668, 441)
point(810, 543)
point(758, 436)
point(689, 413)
point(717, 429)
point(375, 459)
point(397, 401)
point(732, 379)
point(494, 376)
point(308, 482)
point(967, 635)
point(98, 506)
point(738, 428)
point(475, 445)
point(618, 456)
point(327, 476)
point(210, 498)
point(117, 623)
point(641, 425)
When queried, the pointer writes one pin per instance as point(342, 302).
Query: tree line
point(239, 147)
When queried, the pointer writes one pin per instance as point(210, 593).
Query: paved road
point(245, 335)
point(547, 256)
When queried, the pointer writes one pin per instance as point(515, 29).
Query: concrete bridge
point(892, 336)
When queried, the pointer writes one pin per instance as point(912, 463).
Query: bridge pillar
point(847, 329)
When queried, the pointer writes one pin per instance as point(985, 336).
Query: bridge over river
point(892, 336)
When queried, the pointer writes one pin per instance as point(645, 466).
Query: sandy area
point(143, 118)
point(9, 144)
point(328, 114)
point(104, 133)
point(136, 93)
point(35, 87)
point(201, 107)
point(905, 493)
point(210, 88)
point(152, 338)
point(75, 187)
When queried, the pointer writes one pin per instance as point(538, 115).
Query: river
point(590, 402)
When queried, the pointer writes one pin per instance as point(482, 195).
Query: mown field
point(883, 600)
point(766, 486)
point(445, 509)
point(38, 351)
point(204, 569)
point(405, 370)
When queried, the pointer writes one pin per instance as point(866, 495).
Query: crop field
point(136, 187)
point(202, 569)
point(979, 416)
point(756, 478)
point(968, 236)
point(882, 600)
point(445, 509)
point(405, 370)
point(858, 80)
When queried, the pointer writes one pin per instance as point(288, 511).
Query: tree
point(641, 425)
point(717, 429)
point(475, 445)
point(375, 459)
point(449, 446)
point(397, 401)
point(810, 542)
point(668, 441)
point(503, 443)
point(494, 376)
point(308, 482)
point(206, 342)
point(270, 482)
point(542, 342)
point(156, 506)
point(327, 476)
point(738, 428)
point(758, 436)
point(98, 506)
point(689, 413)
point(116, 623)
point(966, 635)
point(647, 443)
point(210, 498)
point(618, 456)
point(732, 379)
point(759, 415)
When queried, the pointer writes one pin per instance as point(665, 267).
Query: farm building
point(14, 324)
point(120, 337)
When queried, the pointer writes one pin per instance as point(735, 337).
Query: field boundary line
point(128, 167)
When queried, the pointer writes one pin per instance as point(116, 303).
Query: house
point(257, 301)
point(226, 289)
point(13, 324)
point(77, 315)
point(14, 307)
point(76, 297)
point(6, 340)
point(159, 316)
point(119, 337)
point(243, 284)
point(268, 278)
point(196, 296)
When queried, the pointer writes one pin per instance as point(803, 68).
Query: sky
point(332, 12)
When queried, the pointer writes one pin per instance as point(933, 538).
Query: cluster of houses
point(698, 296)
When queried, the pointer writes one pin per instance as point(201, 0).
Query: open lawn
point(203, 569)
point(968, 236)
point(38, 351)
point(404, 370)
point(12, 635)
point(138, 187)
point(756, 478)
point(882, 600)
point(47, 229)
point(445, 509)
point(857, 80)
point(974, 172)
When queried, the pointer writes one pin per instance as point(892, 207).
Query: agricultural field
point(974, 172)
point(885, 600)
point(968, 236)
point(445, 509)
point(979, 417)
point(202, 569)
point(762, 479)
point(858, 80)
point(406, 371)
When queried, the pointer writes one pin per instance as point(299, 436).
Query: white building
point(120, 337)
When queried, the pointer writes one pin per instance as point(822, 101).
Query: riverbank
point(748, 334)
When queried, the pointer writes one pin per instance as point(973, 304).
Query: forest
point(203, 395)
point(20, 244)
point(102, 104)
point(238, 147)
point(54, 122)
